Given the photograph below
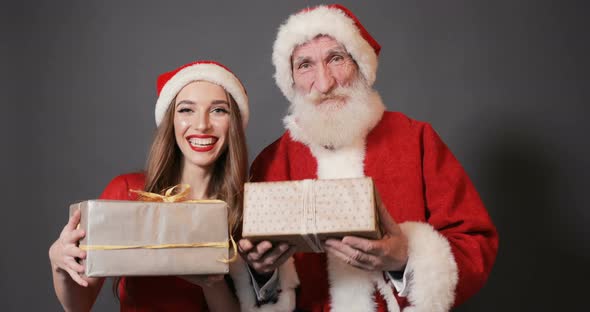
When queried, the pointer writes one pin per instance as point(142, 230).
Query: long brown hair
point(164, 167)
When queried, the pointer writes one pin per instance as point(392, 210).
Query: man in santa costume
point(439, 243)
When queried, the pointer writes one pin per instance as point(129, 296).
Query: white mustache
point(339, 93)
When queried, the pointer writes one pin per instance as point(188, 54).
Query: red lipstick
point(207, 142)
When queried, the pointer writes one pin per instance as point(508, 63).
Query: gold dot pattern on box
point(278, 207)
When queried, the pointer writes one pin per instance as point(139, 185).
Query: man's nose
point(324, 81)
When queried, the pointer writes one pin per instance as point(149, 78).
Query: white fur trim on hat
point(304, 26)
point(207, 72)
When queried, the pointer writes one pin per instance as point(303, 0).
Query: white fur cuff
point(434, 272)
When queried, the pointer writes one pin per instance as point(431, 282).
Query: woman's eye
point(185, 110)
point(220, 110)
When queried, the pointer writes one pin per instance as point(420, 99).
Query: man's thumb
point(388, 225)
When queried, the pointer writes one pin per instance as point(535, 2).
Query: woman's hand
point(64, 251)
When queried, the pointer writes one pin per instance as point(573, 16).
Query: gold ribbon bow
point(169, 196)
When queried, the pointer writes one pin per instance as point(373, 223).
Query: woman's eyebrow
point(214, 102)
point(185, 102)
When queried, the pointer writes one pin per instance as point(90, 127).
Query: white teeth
point(202, 142)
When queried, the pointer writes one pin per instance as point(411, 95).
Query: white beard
point(338, 124)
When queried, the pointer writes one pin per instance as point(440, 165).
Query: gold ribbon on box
point(170, 196)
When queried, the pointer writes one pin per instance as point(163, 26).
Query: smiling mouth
point(202, 142)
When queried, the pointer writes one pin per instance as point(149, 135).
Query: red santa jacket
point(452, 241)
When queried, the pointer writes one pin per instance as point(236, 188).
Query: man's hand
point(264, 258)
point(387, 254)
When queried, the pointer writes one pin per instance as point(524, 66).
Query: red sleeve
point(271, 164)
point(118, 188)
point(457, 212)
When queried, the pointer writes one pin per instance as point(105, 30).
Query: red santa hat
point(170, 83)
point(332, 20)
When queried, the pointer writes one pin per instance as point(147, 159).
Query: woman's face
point(201, 122)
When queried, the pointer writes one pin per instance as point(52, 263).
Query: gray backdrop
point(503, 82)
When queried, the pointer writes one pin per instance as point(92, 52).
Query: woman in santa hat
point(201, 113)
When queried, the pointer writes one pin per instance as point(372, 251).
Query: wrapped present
point(131, 238)
point(304, 213)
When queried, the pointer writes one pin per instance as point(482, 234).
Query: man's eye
point(337, 58)
point(185, 110)
point(304, 65)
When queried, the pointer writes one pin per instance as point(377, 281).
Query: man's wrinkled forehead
point(320, 41)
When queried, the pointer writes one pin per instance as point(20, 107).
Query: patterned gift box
point(306, 212)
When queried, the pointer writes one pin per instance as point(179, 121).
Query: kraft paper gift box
point(134, 238)
point(306, 212)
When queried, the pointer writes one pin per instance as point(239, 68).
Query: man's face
point(333, 105)
point(320, 67)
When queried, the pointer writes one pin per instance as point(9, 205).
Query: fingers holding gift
point(73, 221)
point(283, 252)
point(387, 223)
point(272, 258)
point(72, 237)
point(66, 261)
point(64, 252)
point(260, 250)
point(245, 246)
point(72, 251)
point(264, 257)
point(253, 252)
point(70, 233)
point(361, 259)
point(63, 261)
point(365, 245)
point(76, 276)
point(387, 254)
point(75, 266)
